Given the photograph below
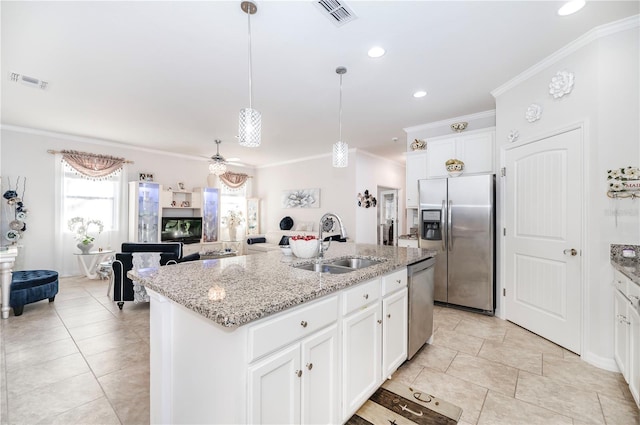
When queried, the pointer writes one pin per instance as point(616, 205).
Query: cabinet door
point(416, 170)
point(439, 151)
point(319, 377)
point(361, 357)
point(634, 354)
point(476, 151)
point(394, 331)
point(274, 388)
point(621, 334)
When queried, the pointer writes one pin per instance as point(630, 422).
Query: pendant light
point(250, 120)
point(340, 148)
point(218, 164)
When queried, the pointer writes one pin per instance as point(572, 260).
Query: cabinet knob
point(622, 319)
point(298, 373)
point(379, 322)
point(366, 296)
point(309, 366)
point(304, 323)
point(388, 316)
point(398, 281)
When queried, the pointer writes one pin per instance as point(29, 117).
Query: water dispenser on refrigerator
point(431, 229)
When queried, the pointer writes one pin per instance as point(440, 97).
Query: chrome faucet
point(343, 232)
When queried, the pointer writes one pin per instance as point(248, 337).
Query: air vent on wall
point(28, 81)
point(336, 11)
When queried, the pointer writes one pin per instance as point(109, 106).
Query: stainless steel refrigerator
point(457, 219)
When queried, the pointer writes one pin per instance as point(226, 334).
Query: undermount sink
point(343, 265)
point(355, 263)
point(324, 268)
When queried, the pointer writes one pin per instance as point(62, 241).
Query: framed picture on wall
point(253, 216)
point(301, 198)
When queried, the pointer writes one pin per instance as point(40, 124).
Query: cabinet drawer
point(620, 281)
point(272, 333)
point(361, 296)
point(394, 281)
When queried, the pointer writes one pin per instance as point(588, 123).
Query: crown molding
point(103, 142)
point(589, 37)
point(448, 121)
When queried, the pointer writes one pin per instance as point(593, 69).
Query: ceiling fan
point(218, 164)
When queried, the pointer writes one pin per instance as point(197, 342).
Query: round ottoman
point(29, 286)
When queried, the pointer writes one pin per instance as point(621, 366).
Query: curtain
point(93, 166)
point(234, 181)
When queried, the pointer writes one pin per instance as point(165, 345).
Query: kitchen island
point(252, 339)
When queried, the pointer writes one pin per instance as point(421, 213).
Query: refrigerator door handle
point(443, 213)
point(449, 227)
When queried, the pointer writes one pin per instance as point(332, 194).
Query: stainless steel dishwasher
point(420, 282)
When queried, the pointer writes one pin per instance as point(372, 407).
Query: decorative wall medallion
point(366, 200)
point(561, 84)
point(513, 135)
point(455, 167)
point(459, 127)
point(533, 112)
point(418, 145)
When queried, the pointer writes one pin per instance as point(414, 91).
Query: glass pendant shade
point(340, 154)
point(249, 129)
point(217, 168)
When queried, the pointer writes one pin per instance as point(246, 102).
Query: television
point(181, 229)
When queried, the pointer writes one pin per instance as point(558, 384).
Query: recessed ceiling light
point(376, 52)
point(420, 93)
point(571, 7)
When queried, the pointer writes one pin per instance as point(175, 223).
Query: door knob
point(571, 251)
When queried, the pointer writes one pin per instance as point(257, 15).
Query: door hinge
point(503, 171)
point(504, 292)
point(504, 231)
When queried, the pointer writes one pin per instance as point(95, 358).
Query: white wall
point(23, 152)
point(338, 191)
point(605, 99)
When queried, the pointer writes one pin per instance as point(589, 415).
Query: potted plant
point(80, 227)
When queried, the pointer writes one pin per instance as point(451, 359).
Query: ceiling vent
point(28, 81)
point(336, 11)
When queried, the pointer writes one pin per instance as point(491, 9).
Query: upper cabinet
point(416, 170)
point(475, 149)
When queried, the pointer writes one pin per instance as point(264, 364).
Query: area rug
point(398, 404)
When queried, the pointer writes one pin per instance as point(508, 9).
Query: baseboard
point(605, 363)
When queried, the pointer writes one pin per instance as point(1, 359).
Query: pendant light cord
point(250, 62)
point(340, 113)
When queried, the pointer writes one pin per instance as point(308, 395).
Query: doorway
point(387, 216)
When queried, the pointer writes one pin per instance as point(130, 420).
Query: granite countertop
point(630, 267)
point(235, 291)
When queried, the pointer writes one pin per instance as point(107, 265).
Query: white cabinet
point(374, 337)
point(416, 169)
point(621, 333)
point(475, 149)
point(144, 212)
point(394, 331)
point(361, 357)
point(297, 384)
point(627, 331)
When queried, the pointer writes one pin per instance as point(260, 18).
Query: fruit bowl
point(304, 247)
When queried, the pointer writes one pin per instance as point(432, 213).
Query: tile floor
point(80, 360)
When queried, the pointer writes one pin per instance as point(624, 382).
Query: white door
point(395, 311)
point(387, 216)
point(320, 377)
point(361, 357)
point(543, 204)
point(274, 388)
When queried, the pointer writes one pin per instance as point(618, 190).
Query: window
point(91, 199)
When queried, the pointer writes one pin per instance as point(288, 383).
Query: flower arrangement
point(233, 219)
point(618, 178)
point(80, 227)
